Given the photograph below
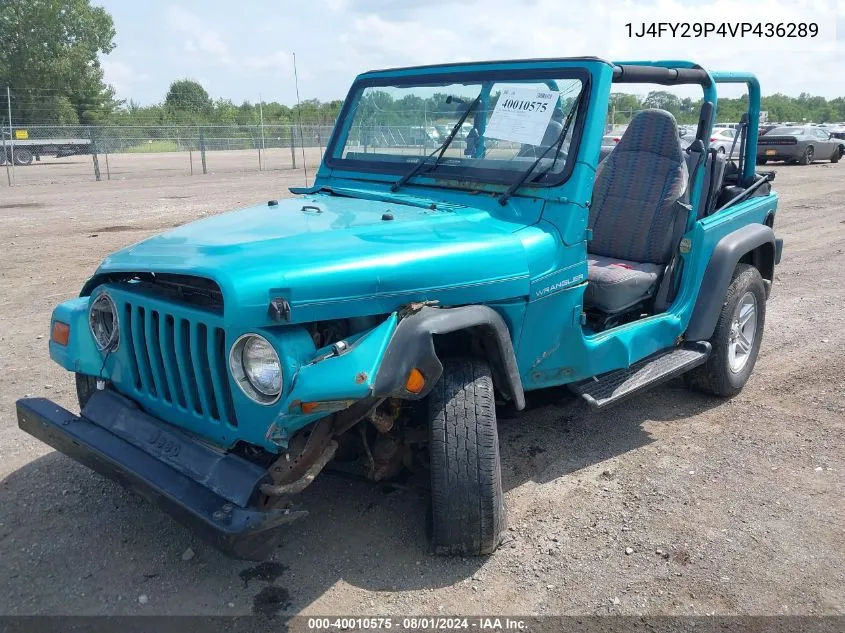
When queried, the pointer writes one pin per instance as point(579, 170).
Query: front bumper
point(211, 492)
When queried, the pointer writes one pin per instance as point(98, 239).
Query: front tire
point(85, 388)
point(837, 154)
point(736, 339)
point(468, 509)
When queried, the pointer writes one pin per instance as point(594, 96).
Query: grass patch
point(153, 147)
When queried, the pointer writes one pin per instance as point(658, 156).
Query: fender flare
point(412, 345)
point(728, 252)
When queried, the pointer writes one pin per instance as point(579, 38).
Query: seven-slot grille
point(178, 361)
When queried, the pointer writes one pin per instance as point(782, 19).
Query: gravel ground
point(674, 503)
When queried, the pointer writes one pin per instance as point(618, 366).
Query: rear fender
point(754, 244)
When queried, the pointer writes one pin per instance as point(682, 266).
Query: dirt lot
point(743, 497)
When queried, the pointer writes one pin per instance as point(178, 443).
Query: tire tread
point(466, 486)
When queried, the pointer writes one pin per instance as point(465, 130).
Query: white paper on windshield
point(522, 115)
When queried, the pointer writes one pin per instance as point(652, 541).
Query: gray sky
point(239, 50)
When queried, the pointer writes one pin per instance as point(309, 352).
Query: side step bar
point(607, 389)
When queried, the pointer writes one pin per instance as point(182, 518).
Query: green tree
point(664, 101)
point(49, 59)
point(187, 95)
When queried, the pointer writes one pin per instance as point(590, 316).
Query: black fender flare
point(412, 346)
point(729, 251)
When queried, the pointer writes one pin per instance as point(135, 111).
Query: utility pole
point(261, 117)
point(5, 155)
point(11, 134)
point(299, 109)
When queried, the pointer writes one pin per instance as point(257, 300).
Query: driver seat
point(635, 215)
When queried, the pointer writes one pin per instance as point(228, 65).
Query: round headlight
point(102, 319)
point(256, 368)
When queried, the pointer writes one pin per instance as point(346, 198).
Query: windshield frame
point(447, 174)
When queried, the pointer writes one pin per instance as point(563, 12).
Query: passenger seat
point(635, 212)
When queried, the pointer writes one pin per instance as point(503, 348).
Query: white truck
point(17, 147)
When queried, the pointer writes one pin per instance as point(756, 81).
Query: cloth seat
point(616, 284)
point(634, 211)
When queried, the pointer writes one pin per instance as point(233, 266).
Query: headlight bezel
point(95, 326)
point(240, 375)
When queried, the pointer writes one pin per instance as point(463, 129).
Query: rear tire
point(808, 156)
point(468, 509)
point(23, 157)
point(837, 154)
point(743, 317)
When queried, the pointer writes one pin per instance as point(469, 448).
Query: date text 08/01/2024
point(417, 623)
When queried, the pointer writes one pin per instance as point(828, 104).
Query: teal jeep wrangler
point(380, 316)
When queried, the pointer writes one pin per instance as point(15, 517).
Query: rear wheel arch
point(753, 244)
point(763, 259)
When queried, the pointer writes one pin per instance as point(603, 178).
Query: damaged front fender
point(333, 382)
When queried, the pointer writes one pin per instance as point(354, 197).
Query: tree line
point(779, 107)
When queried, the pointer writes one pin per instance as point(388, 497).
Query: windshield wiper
point(441, 148)
point(557, 144)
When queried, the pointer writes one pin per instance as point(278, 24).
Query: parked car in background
point(723, 140)
point(801, 144)
point(610, 139)
point(836, 129)
point(686, 130)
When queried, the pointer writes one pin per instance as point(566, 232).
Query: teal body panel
point(343, 259)
point(350, 247)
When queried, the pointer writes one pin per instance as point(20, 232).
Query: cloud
point(122, 76)
point(337, 39)
point(200, 42)
point(278, 61)
point(503, 29)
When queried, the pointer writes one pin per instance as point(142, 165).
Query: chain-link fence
point(60, 153)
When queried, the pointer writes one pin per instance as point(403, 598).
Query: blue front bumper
point(213, 493)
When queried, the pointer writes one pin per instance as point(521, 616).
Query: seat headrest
point(653, 131)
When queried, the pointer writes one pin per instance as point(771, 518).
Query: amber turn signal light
point(60, 333)
point(309, 407)
point(415, 381)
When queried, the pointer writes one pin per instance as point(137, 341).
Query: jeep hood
point(335, 256)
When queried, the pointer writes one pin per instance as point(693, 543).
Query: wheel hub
point(743, 332)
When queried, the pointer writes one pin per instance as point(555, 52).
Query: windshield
point(490, 130)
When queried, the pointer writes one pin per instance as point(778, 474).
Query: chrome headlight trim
point(104, 322)
point(238, 371)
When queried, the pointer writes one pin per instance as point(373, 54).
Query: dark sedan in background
point(801, 144)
